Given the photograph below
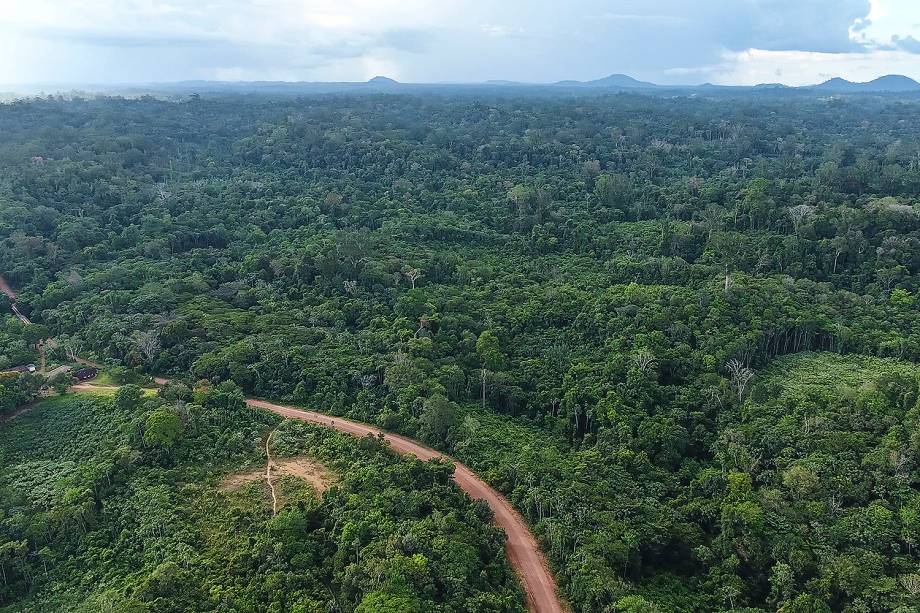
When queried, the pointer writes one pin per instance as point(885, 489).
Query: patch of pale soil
point(306, 469)
point(235, 481)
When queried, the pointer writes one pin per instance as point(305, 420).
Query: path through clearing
point(268, 473)
point(522, 549)
point(303, 468)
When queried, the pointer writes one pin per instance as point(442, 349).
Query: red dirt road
point(521, 547)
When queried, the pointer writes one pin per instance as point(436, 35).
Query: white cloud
point(643, 18)
point(494, 30)
point(150, 40)
point(806, 68)
point(888, 23)
point(884, 40)
point(438, 40)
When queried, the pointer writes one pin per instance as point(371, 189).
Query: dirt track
point(522, 548)
point(268, 472)
point(6, 289)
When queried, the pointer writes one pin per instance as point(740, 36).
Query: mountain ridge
point(613, 80)
point(617, 82)
point(886, 83)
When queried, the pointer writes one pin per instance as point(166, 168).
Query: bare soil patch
point(306, 469)
point(233, 482)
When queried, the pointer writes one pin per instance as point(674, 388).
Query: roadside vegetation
point(114, 502)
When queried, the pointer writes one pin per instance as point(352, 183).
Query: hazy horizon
point(688, 84)
point(103, 42)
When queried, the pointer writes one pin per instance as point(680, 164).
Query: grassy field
point(804, 371)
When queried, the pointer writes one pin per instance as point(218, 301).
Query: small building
point(23, 368)
point(84, 374)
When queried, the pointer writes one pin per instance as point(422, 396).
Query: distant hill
point(386, 85)
point(614, 80)
point(382, 81)
point(888, 83)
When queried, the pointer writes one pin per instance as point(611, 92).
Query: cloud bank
point(669, 41)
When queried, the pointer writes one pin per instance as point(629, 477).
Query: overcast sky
point(666, 41)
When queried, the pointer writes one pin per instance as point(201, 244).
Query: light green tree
point(490, 357)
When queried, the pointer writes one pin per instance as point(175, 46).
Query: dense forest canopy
point(616, 307)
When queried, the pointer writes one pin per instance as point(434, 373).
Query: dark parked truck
point(85, 374)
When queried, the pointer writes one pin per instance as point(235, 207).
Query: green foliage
point(128, 398)
point(381, 602)
point(629, 287)
point(17, 389)
point(438, 418)
point(490, 355)
point(89, 520)
point(61, 382)
point(162, 429)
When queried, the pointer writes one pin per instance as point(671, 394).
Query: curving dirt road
point(522, 549)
